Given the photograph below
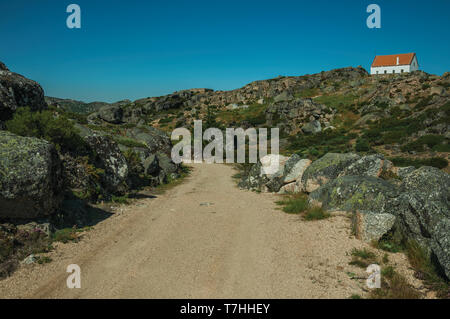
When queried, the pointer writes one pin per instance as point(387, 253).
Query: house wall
point(390, 69)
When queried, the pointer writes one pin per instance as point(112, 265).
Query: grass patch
point(120, 199)
point(298, 204)
point(362, 258)
point(426, 271)
point(338, 101)
point(66, 235)
point(295, 204)
point(394, 286)
point(128, 142)
point(316, 213)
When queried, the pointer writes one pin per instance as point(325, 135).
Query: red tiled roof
point(391, 60)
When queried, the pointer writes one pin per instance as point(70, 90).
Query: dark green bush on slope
point(57, 130)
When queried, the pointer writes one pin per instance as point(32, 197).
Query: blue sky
point(134, 48)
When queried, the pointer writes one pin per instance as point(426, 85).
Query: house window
point(378, 72)
point(385, 71)
point(393, 71)
point(401, 70)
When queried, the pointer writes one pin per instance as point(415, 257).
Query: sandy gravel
point(203, 239)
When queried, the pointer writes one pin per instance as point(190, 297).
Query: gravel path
point(202, 239)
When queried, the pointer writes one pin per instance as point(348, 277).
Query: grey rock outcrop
point(18, 91)
point(371, 165)
point(423, 212)
point(350, 193)
point(110, 158)
point(326, 169)
point(371, 226)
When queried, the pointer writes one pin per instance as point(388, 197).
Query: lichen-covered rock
point(350, 193)
point(266, 175)
point(17, 91)
point(291, 115)
point(370, 165)
point(312, 127)
point(110, 158)
point(288, 189)
point(155, 140)
point(30, 177)
point(254, 180)
point(111, 114)
point(371, 226)
point(402, 172)
point(326, 169)
point(423, 212)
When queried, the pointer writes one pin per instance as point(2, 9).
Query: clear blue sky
point(135, 48)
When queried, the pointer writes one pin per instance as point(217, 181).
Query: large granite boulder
point(312, 127)
point(265, 175)
point(155, 140)
point(17, 91)
point(109, 157)
point(350, 193)
point(30, 177)
point(370, 165)
point(111, 114)
point(423, 212)
point(326, 169)
point(371, 226)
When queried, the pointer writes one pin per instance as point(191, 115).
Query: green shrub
point(438, 162)
point(65, 235)
point(442, 148)
point(57, 130)
point(362, 145)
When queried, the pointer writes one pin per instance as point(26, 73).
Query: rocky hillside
point(405, 117)
point(74, 106)
point(379, 147)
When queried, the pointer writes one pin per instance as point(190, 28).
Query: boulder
point(109, 157)
point(154, 139)
point(371, 226)
point(111, 114)
point(325, 169)
point(254, 179)
point(288, 189)
point(312, 127)
point(439, 90)
point(265, 175)
point(283, 97)
point(423, 212)
point(350, 193)
point(277, 180)
point(17, 91)
point(295, 172)
point(370, 165)
point(402, 172)
point(31, 182)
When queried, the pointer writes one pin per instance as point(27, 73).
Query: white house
point(395, 63)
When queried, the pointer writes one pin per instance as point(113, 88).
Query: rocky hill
point(377, 144)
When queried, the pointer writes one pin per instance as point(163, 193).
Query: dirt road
point(202, 239)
